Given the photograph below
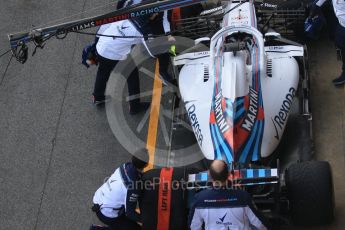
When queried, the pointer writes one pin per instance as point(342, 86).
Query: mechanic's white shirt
point(118, 48)
point(339, 9)
point(110, 195)
point(241, 218)
point(102, 29)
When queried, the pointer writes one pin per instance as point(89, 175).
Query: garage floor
point(329, 119)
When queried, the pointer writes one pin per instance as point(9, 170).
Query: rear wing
point(243, 177)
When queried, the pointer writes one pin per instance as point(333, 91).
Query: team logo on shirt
point(221, 221)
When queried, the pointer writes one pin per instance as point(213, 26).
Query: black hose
point(5, 53)
point(4, 74)
point(113, 36)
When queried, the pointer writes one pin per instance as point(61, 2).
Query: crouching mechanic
point(112, 50)
point(115, 202)
point(339, 10)
point(222, 208)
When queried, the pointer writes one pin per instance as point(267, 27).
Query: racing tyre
point(310, 192)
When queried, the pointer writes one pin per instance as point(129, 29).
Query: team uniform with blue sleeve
point(224, 209)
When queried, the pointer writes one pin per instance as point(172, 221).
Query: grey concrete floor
point(56, 148)
point(329, 119)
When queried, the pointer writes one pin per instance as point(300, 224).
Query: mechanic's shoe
point(99, 101)
point(340, 80)
point(138, 108)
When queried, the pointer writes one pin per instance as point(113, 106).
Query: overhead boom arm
point(39, 35)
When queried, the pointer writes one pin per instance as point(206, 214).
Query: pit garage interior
point(56, 148)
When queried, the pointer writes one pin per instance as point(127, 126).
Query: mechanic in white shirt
point(222, 208)
point(115, 202)
point(339, 10)
point(110, 51)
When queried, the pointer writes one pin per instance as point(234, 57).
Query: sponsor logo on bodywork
point(203, 53)
point(218, 111)
point(220, 9)
point(276, 48)
point(195, 124)
point(280, 119)
point(268, 5)
point(253, 109)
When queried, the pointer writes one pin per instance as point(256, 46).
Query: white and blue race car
point(245, 88)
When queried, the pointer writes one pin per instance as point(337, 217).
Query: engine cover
point(239, 94)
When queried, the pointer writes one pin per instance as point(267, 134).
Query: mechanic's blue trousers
point(105, 67)
point(340, 42)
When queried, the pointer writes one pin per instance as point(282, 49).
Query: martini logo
point(112, 19)
point(118, 18)
point(252, 113)
point(218, 111)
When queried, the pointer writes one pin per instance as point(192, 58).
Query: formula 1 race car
point(246, 93)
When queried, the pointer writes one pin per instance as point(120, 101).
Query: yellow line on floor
point(154, 117)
